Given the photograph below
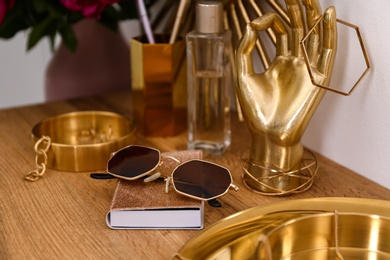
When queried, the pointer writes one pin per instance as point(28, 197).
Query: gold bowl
point(317, 228)
point(329, 236)
point(83, 141)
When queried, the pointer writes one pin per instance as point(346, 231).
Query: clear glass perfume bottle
point(209, 80)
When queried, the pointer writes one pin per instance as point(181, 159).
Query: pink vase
point(100, 64)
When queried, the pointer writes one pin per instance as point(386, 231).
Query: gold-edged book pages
point(140, 205)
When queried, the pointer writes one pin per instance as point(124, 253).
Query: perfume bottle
point(209, 80)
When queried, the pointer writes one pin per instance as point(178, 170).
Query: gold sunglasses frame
point(170, 179)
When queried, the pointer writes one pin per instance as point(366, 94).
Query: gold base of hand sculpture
point(272, 181)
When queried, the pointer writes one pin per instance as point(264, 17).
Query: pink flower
point(5, 5)
point(89, 8)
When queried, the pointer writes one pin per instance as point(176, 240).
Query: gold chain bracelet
point(41, 147)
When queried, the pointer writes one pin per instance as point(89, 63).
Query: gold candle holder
point(159, 86)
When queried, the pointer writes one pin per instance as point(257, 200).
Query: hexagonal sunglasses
point(197, 179)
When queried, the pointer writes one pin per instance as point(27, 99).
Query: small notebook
point(140, 205)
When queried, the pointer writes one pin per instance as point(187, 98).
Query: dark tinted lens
point(201, 179)
point(133, 161)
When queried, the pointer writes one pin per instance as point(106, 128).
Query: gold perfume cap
point(209, 16)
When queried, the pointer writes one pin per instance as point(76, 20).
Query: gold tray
point(83, 141)
point(317, 228)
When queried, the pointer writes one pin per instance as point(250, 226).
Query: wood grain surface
point(62, 216)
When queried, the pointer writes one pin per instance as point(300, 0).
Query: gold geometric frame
point(307, 61)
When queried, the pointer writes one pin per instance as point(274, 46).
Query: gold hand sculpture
point(278, 104)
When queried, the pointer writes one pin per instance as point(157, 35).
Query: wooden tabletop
point(62, 216)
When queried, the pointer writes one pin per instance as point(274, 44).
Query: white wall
point(353, 131)
point(21, 73)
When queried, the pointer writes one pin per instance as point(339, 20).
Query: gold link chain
point(41, 147)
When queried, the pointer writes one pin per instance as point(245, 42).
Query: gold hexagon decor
point(307, 61)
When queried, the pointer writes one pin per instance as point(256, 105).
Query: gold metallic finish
point(236, 22)
point(279, 9)
point(272, 20)
point(159, 83)
point(259, 44)
point(313, 13)
point(294, 13)
point(234, 70)
point(308, 58)
point(237, 29)
point(304, 175)
point(155, 67)
point(278, 104)
point(84, 141)
point(257, 10)
point(318, 228)
point(41, 147)
point(181, 12)
point(334, 239)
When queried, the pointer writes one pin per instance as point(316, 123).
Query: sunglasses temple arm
point(153, 177)
point(170, 157)
point(235, 187)
point(167, 181)
point(101, 176)
point(214, 203)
